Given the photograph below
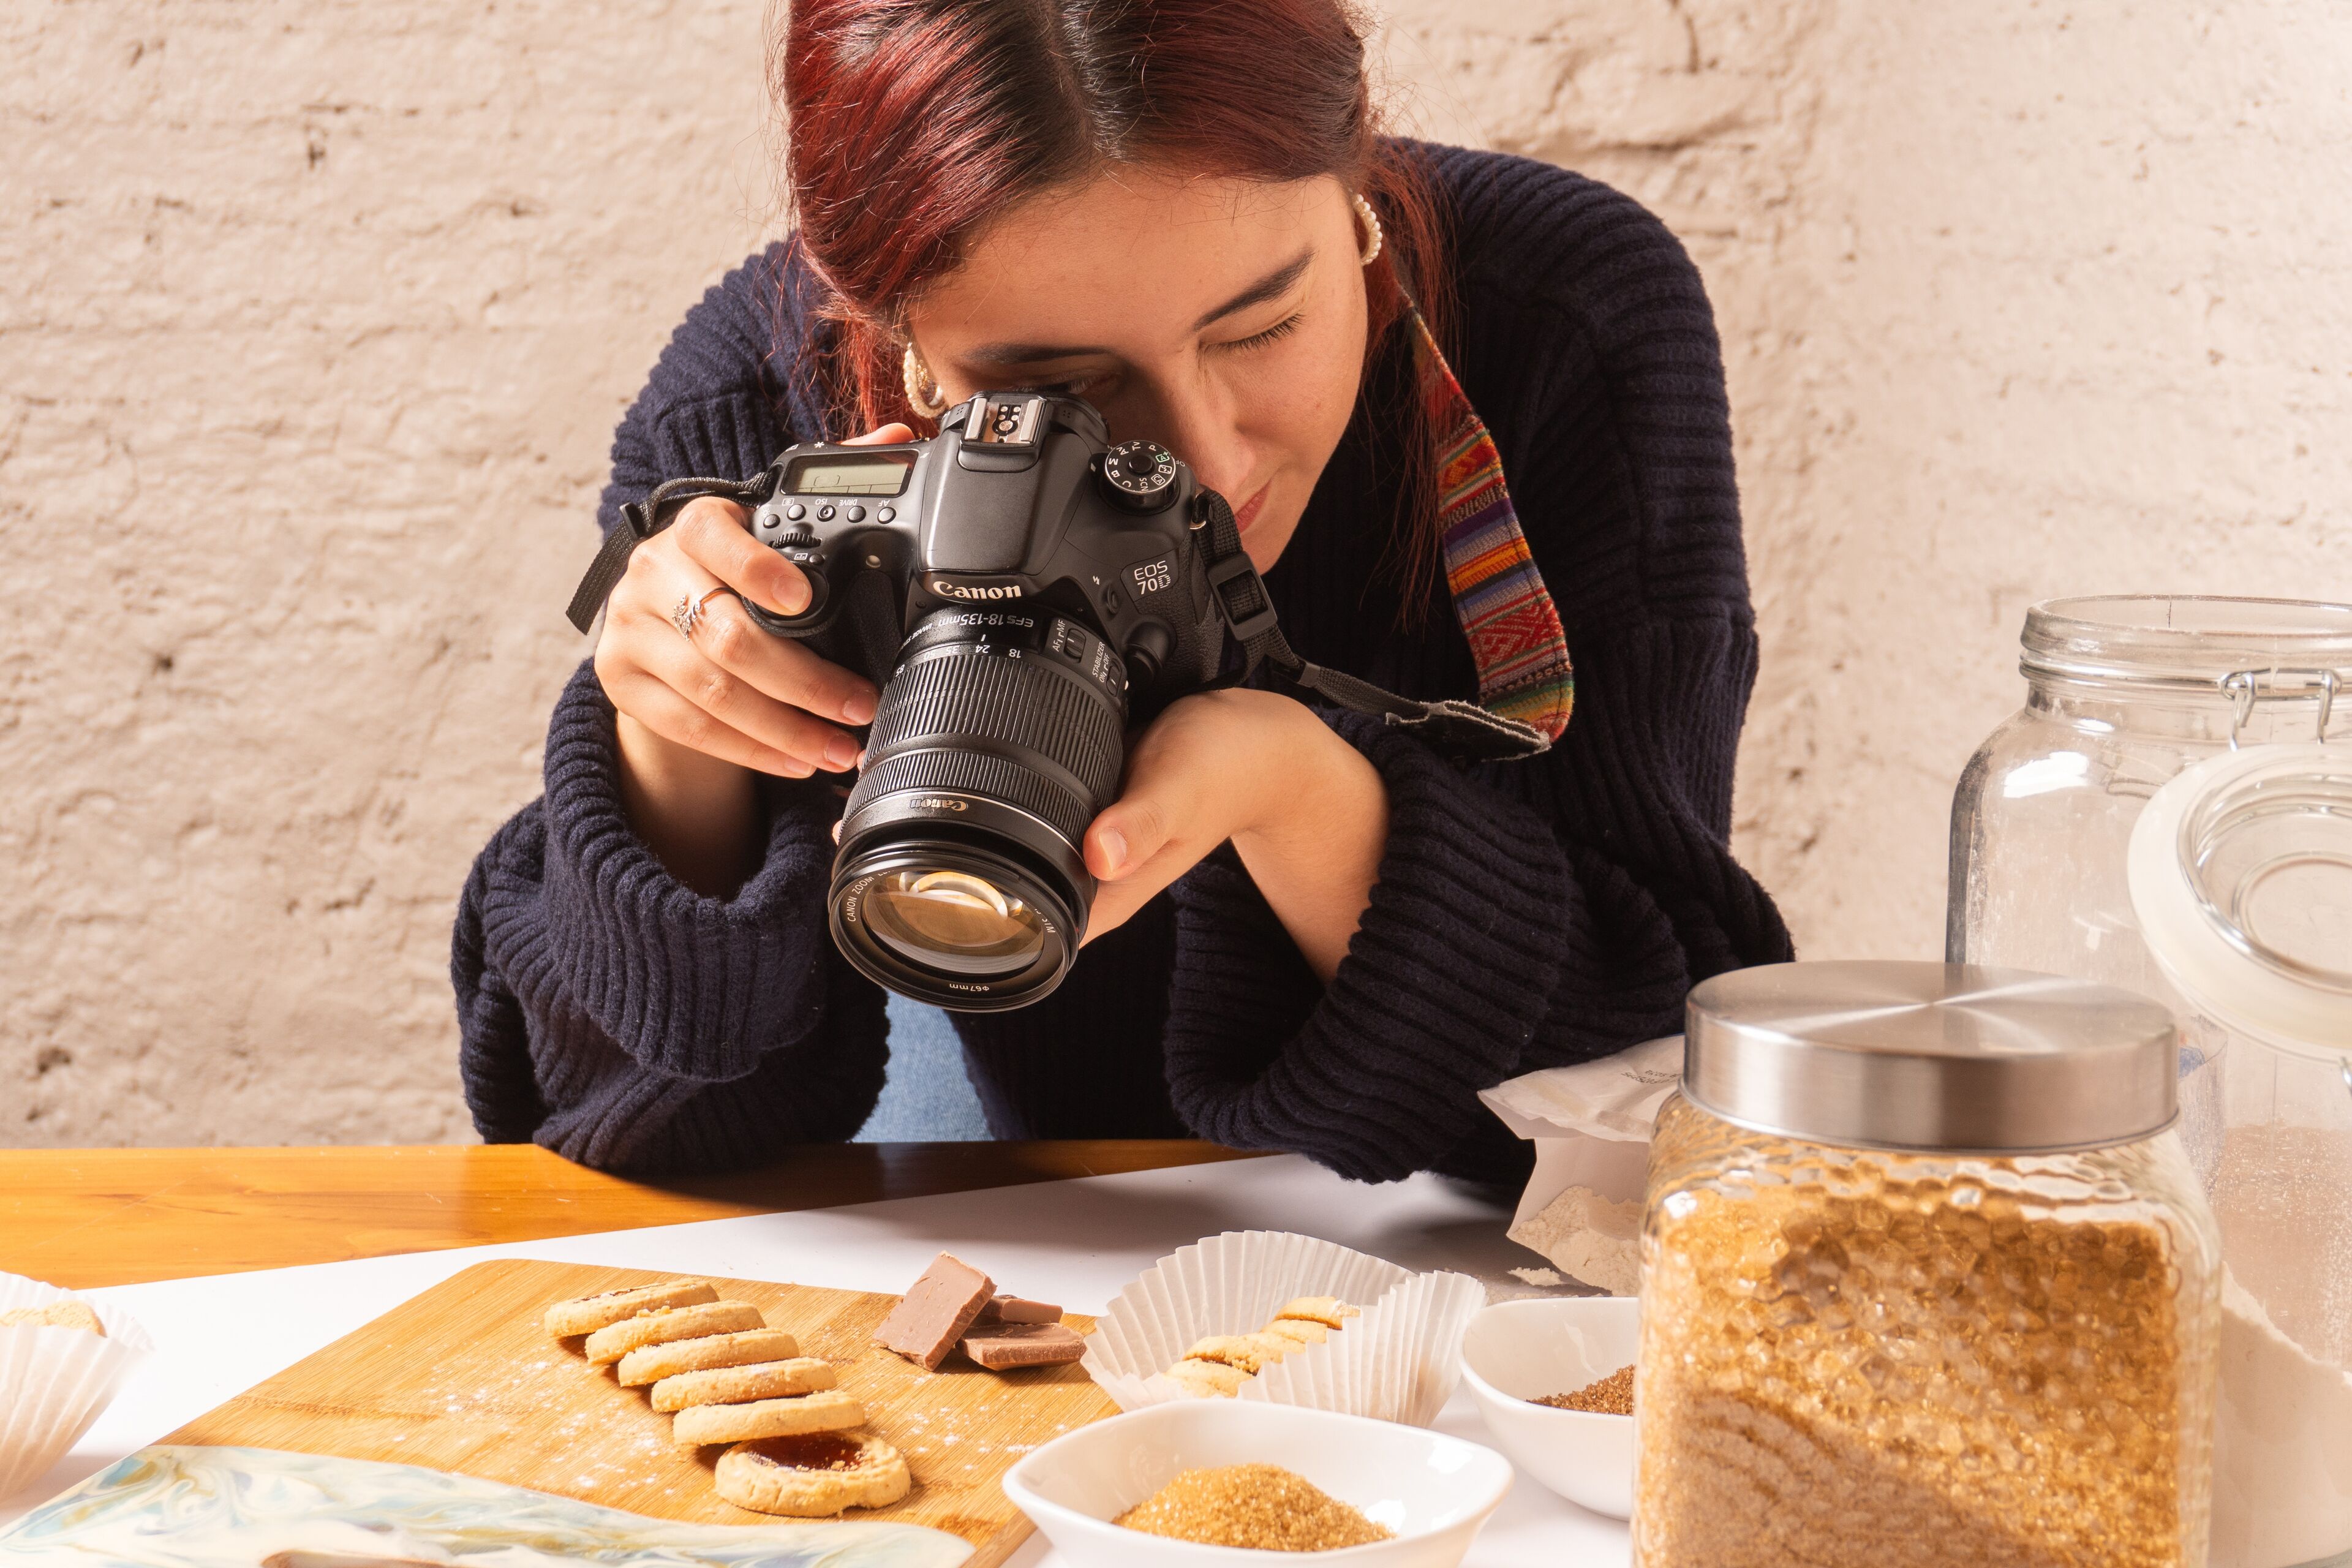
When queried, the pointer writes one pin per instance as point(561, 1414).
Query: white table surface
point(1076, 1242)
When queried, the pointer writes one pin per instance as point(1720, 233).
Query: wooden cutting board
point(462, 1378)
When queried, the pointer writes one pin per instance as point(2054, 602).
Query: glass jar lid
point(2241, 874)
point(1943, 1057)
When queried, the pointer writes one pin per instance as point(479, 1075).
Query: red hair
point(911, 122)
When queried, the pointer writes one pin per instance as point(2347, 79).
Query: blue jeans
point(928, 1097)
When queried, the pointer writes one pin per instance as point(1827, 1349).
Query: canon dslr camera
point(1022, 590)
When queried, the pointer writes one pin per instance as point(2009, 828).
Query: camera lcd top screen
point(882, 473)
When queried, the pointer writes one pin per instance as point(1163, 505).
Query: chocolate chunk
point(935, 1312)
point(1024, 1344)
point(1015, 1310)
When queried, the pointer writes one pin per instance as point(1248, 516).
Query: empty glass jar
point(2122, 694)
point(1925, 1283)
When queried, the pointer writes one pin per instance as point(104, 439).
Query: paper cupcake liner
point(54, 1382)
point(1398, 1362)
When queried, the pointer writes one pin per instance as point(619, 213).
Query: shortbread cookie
point(831, 1410)
point(586, 1314)
point(664, 1324)
point(1329, 1311)
point(1304, 1331)
point(742, 1385)
point(654, 1362)
point(1208, 1379)
point(65, 1314)
point(814, 1477)
point(1247, 1352)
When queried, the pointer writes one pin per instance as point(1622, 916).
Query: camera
point(1023, 590)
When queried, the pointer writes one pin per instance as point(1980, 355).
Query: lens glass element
point(953, 921)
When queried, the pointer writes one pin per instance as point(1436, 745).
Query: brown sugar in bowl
point(1434, 1491)
point(1516, 1353)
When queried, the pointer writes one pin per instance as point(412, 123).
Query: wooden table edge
point(85, 1218)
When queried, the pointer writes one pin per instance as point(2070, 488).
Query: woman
point(1314, 932)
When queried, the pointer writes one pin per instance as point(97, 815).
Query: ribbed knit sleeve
point(607, 1010)
point(1501, 937)
point(1446, 979)
point(619, 1017)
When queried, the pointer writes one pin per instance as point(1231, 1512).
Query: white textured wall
point(315, 319)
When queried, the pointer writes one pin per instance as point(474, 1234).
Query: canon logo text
point(942, 586)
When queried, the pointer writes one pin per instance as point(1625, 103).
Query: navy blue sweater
point(1526, 914)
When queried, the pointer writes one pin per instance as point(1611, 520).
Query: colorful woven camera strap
point(1507, 616)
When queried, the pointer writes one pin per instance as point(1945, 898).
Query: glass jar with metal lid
point(1926, 1281)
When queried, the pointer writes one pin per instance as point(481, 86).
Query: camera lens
point(954, 922)
point(998, 738)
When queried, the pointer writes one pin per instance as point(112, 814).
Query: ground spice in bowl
point(1262, 1507)
point(1612, 1396)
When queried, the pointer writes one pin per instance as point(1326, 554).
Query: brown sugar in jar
point(1887, 1358)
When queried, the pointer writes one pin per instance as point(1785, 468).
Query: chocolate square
point(936, 1311)
point(1024, 1344)
point(1015, 1309)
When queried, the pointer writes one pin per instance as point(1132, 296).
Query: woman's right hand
point(732, 691)
point(699, 715)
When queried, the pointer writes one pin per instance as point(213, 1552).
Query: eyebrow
point(1272, 286)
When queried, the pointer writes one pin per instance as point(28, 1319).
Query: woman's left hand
point(1307, 814)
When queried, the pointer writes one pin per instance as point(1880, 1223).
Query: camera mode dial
point(1140, 476)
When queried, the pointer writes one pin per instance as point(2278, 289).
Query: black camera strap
point(640, 520)
point(1463, 729)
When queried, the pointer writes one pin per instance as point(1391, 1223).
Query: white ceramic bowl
point(1518, 1352)
point(1433, 1491)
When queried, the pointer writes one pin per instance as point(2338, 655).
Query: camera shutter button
point(812, 572)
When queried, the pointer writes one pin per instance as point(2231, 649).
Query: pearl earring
point(923, 393)
point(1371, 221)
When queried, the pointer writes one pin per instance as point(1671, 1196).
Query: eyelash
point(1281, 329)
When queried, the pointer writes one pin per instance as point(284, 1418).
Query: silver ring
point(689, 614)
